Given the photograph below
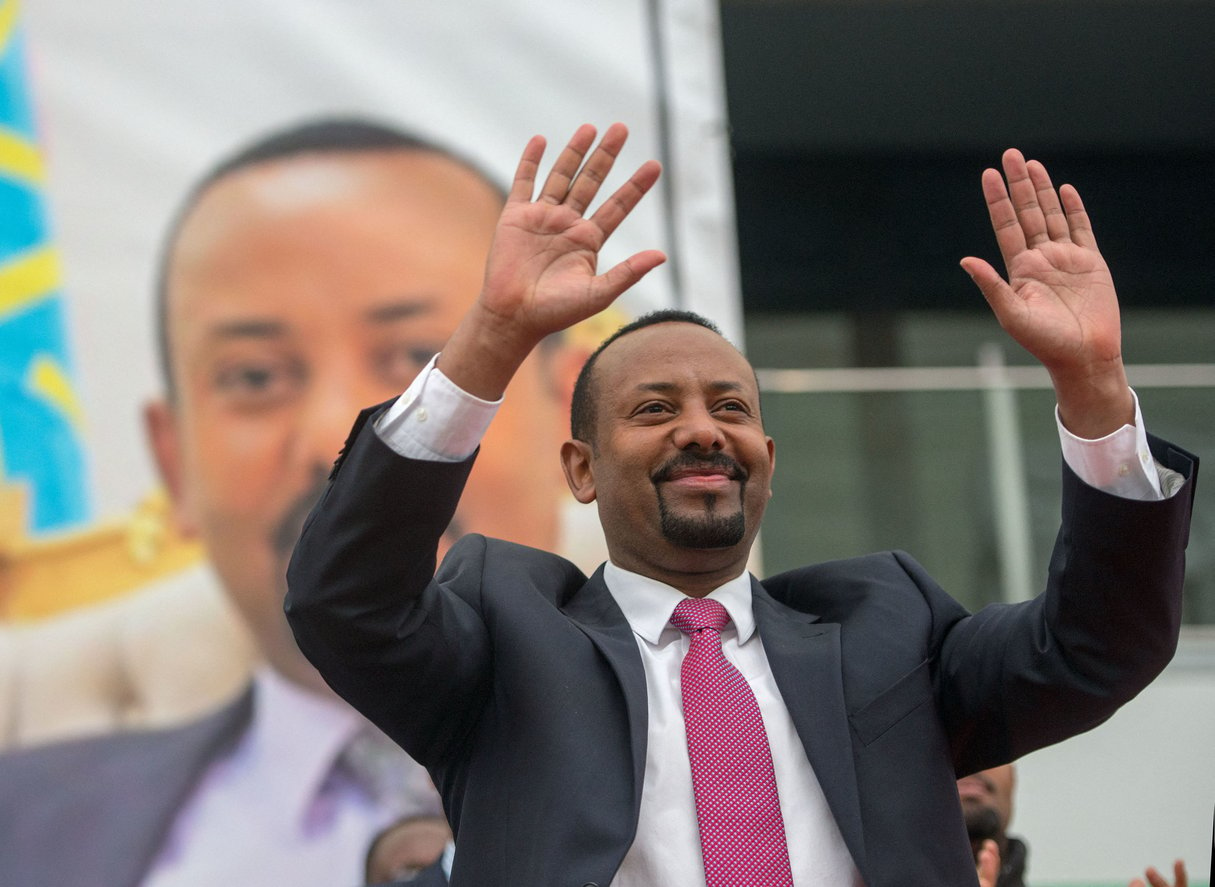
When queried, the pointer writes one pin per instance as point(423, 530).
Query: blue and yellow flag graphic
point(41, 445)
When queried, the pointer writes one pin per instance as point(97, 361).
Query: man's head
point(669, 440)
point(987, 803)
point(405, 848)
point(308, 277)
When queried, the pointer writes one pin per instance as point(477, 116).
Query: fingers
point(996, 291)
point(1028, 211)
point(1180, 878)
point(524, 182)
point(1077, 219)
point(574, 184)
point(557, 185)
point(1048, 202)
point(988, 864)
point(586, 184)
point(1009, 236)
point(607, 286)
point(617, 207)
point(1155, 879)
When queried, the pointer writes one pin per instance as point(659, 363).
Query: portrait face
point(679, 464)
point(299, 292)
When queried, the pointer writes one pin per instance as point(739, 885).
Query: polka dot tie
point(742, 835)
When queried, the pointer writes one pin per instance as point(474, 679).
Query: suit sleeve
point(1014, 678)
point(408, 652)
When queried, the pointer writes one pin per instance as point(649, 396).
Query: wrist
point(484, 352)
point(1094, 404)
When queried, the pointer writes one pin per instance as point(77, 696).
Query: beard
point(982, 823)
point(710, 528)
point(707, 530)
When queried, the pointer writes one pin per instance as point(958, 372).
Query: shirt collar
point(647, 604)
point(283, 711)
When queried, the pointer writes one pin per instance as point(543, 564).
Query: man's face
point(987, 801)
point(301, 291)
point(680, 465)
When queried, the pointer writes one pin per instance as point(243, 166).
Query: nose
point(327, 414)
point(696, 429)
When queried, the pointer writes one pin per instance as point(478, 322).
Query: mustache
point(289, 527)
point(719, 461)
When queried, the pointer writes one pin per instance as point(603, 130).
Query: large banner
point(223, 340)
point(41, 452)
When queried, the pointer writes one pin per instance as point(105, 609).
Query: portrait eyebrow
point(400, 310)
point(248, 329)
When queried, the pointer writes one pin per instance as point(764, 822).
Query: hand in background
point(1155, 879)
point(988, 863)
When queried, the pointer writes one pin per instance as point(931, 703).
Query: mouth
point(700, 472)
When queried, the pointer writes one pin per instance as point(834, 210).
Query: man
point(410, 851)
point(307, 276)
point(572, 738)
point(987, 806)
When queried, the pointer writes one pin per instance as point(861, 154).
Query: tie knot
point(693, 614)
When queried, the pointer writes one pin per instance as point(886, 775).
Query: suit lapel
point(595, 611)
point(143, 787)
point(804, 655)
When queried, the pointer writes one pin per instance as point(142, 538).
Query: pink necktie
point(742, 835)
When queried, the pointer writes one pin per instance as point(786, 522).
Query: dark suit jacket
point(518, 682)
point(96, 811)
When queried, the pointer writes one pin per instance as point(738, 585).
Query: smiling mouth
point(700, 470)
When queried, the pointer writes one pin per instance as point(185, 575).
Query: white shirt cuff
point(436, 420)
point(1119, 463)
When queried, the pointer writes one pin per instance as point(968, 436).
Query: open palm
point(541, 274)
point(1059, 301)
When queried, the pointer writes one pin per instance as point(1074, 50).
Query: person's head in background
point(307, 277)
point(406, 847)
point(987, 804)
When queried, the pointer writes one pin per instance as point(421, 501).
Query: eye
point(399, 364)
point(257, 384)
point(652, 408)
point(734, 406)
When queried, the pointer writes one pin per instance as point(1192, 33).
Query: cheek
point(235, 467)
point(517, 487)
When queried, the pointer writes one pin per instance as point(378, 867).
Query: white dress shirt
point(437, 420)
point(666, 850)
point(274, 810)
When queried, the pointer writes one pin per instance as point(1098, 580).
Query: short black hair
point(585, 398)
point(315, 136)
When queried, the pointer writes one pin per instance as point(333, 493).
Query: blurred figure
point(987, 806)
point(404, 851)
point(306, 277)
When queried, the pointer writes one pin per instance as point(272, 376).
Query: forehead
point(672, 355)
point(355, 225)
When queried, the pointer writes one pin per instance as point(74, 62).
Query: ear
point(579, 472)
point(164, 440)
point(771, 464)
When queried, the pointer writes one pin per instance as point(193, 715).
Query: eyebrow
point(400, 310)
point(269, 329)
point(249, 329)
point(665, 387)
